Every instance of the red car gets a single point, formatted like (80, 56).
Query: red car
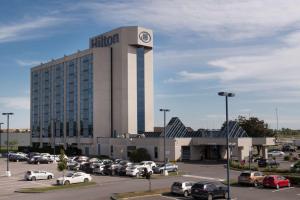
(276, 181)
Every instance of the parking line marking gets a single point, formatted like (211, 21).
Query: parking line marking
(288, 188)
(203, 177)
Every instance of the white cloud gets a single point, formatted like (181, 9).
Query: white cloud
(225, 20)
(27, 29)
(15, 102)
(276, 70)
(27, 63)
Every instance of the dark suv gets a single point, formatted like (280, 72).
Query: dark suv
(208, 190)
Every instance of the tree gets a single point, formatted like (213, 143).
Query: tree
(62, 163)
(139, 155)
(255, 127)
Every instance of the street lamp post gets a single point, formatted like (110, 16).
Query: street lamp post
(54, 135)
(226, 94)
(0, 133)
(7, 141)
(165, 110)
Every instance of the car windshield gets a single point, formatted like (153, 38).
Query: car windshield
(69, 175)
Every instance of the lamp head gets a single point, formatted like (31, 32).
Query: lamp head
(228, 94)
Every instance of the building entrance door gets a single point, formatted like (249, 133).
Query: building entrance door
(212, 152)
(185, 153)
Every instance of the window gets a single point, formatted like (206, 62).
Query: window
(111, 150)
(155, 152)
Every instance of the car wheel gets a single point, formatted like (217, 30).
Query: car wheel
(186, 193)
(277, 187)
(210, 197)
(49, 177)
(86, 180)
(67, 183)
(33, 178)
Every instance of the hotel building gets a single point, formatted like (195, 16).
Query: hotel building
(101, 92)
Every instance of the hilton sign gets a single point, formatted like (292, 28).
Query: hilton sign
(104, 41)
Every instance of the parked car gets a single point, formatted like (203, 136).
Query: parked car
(123, 167)
(33, 159)
(295, 167)
(43, 160)
(276, 181)
(152, 164)
(137, 170)
(74, 166)
(251, 178)
(169, 167)
(288, 148)
(182, 188)
(209, 190)
(38, 175)
(264, 163)
(17, 158)
(32, 154)
(74, 177)
(276, 153)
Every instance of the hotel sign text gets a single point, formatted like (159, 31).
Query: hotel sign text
(104, 41)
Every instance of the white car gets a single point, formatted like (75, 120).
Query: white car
(275, 153)
(74, 177)
(147, 163)
(38, 175)
(134, 170)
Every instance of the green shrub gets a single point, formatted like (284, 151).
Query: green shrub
(287, 158)
(295, 180)
(139, 155)
(237, 165)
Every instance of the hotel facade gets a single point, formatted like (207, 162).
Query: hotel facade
(101, 92)
(100, 100)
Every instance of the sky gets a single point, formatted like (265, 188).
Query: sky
(201, 47)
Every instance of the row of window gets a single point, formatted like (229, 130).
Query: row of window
(48, 102)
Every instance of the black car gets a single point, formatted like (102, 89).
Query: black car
(265, 163)
(288, 148)
(42, 160)
(208, 190)
(17, 158)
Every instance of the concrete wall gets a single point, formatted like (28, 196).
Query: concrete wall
(22, 139)
(239, 149)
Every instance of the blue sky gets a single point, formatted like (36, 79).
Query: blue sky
(201, 47)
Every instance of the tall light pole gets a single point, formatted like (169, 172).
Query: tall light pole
(54, 135)
(227, 94)
(165, 110)
(7, 141)
(0, 133)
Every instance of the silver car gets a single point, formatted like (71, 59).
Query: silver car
(182, 188)
(38, 175)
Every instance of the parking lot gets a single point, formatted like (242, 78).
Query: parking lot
(107, 185)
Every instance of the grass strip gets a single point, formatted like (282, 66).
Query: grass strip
(141, 193)
(54, 187)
